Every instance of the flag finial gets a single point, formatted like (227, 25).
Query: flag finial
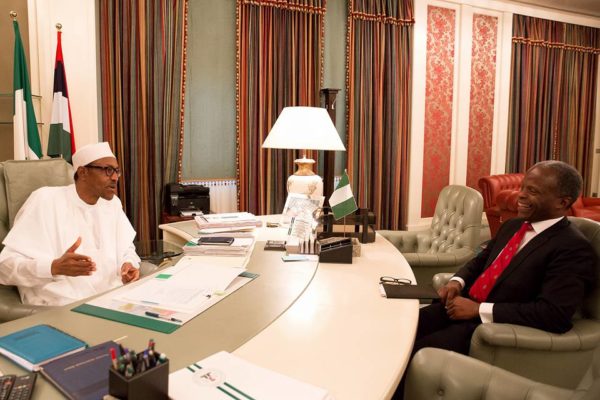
(58, 26)
(13, 15)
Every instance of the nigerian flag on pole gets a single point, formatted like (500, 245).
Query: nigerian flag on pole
(62, 138)
(26, 138)
(342, 200)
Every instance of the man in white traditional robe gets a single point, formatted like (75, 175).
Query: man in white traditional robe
(71, 242)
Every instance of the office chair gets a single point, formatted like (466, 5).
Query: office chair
(451, 239)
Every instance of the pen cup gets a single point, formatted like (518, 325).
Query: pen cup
(152, 384)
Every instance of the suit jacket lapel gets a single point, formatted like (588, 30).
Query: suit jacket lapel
(530, 249)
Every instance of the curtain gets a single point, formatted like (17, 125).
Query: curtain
(379, 45)
(142, 56)
(279, 64)
(553, 94)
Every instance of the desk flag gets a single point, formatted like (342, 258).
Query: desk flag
(342, 200)
(27, 143)
(61, 141)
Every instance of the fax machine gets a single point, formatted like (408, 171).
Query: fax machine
(187, 198)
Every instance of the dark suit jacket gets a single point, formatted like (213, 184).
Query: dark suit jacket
(545, 282)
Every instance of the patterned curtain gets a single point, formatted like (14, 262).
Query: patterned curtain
(553, 94)
(379, 45)
(142, 55)
(279, 64)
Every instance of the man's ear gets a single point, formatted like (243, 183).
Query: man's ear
(81, 172)
(565, 202)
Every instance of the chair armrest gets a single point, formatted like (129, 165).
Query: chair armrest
(405, 241)
(441, 279)
(452, 259)
(11, 306)
(440, 374)
(585, 335)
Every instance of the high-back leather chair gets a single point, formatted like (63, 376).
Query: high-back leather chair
(445, 375)
(451, 239)
(558, 359)
(17, 180)
(490, 187)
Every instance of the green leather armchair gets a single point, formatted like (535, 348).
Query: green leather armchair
(441, 374)
(17, 180)
(558, 359)
(451, 239)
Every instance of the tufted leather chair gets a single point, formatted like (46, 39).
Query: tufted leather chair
(445, 375)
(558, 359)
(17, 180)
(491, 186)
(451, 239)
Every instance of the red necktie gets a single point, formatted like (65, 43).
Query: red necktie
(485, 282)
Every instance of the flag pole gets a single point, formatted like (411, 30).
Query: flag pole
(13, 15)
(58, 26)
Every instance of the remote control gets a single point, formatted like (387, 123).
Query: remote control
(23, 387)
(6, 383)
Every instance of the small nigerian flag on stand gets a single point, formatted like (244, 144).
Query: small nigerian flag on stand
(27, 143)
(61, 141)
(342, 200)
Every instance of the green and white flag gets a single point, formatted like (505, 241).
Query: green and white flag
(342, 200)
(26, 138)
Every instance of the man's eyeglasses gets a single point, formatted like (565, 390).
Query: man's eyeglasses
(394, 281)
(108, 170)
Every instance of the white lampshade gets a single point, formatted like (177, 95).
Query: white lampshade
(304, 128)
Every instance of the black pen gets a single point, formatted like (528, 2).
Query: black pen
(157, 315)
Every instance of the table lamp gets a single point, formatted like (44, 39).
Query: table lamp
(304, 128)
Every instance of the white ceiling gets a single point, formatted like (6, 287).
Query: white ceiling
(588, 7)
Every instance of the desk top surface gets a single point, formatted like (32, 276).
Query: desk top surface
(339, 334)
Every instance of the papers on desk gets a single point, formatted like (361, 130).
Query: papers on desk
(224, 376)
(240, 247)
(173, 296)
(183, 288)
(226, 222)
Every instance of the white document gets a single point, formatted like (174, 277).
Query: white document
(224, 376)
(183, 287)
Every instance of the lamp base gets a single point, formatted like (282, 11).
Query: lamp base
(305, 181)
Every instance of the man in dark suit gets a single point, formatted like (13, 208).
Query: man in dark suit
(535, 272)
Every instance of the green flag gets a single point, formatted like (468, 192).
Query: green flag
(342, 200)
(26, 138)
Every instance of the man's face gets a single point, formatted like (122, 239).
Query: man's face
(98, 182)
(539, 198)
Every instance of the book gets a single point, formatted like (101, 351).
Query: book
(226, 376)
(82, 375)
(395, 291)
(32, 347)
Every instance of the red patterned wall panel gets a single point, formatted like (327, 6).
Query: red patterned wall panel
(481, 113)
(441, 23)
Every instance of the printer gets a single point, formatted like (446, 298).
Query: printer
(187, 199)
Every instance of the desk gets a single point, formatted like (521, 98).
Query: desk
(339, 334)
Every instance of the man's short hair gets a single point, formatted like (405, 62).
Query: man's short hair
(568, 179)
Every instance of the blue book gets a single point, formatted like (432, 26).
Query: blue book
(39, 344)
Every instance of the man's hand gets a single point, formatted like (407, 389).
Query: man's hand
(73, 264)
(449, 291)
(129, 273)
(462, 308)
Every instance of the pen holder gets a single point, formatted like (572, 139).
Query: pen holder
(152, 384)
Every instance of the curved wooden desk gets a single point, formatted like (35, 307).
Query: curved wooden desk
(340, 334)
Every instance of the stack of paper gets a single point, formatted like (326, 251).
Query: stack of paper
(241, 246)
(224, 376)
(226, 222)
